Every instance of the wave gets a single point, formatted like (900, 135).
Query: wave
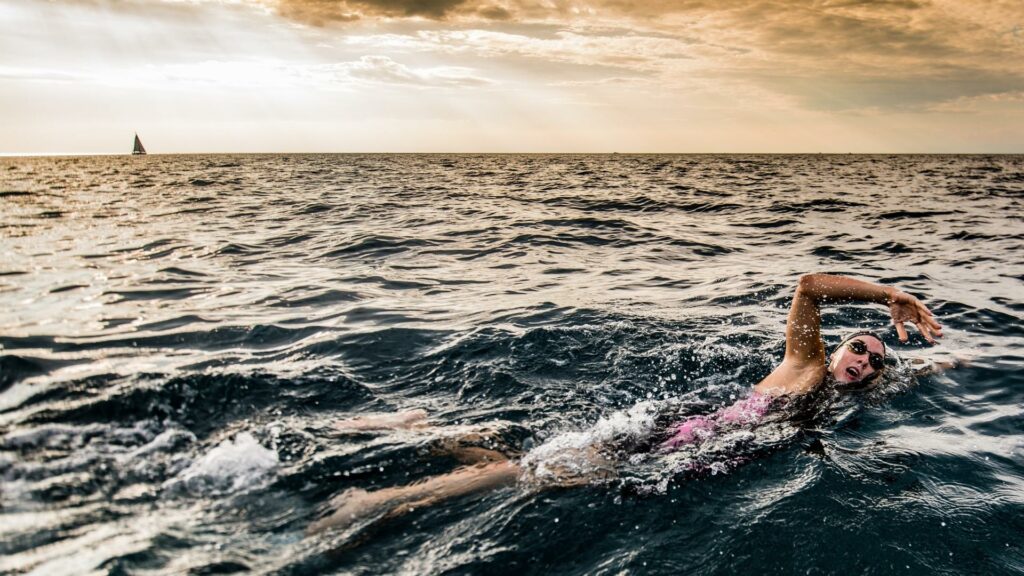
(177, 354)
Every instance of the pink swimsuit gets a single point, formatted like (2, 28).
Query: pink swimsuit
(696, 428)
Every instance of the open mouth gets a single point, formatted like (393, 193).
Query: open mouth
(853, 372)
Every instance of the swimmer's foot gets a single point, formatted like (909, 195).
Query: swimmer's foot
(406, 420)
(475, 446)
(467, 454)
(349, 508)
(358, 507)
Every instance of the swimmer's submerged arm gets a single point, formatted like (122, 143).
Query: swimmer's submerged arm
(933, 366)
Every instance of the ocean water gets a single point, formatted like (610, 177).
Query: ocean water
(179, 336)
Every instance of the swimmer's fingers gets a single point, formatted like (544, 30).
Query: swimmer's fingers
(929, 330)
(926, 323)
(901, 330)
(929, 319)
(925, 331)
(902, 308)
(905, 307)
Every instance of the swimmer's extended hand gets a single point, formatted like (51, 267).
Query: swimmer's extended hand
(907, 308)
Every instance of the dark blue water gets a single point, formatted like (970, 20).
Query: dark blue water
(179, 335)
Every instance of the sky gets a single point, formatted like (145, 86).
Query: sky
(687, 76)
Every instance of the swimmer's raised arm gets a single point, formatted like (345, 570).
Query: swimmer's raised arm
(838, 289)
(804, 365)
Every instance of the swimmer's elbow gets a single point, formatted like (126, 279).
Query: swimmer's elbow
(811, 280)
(809, 285)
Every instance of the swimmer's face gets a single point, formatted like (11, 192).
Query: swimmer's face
(852, 362)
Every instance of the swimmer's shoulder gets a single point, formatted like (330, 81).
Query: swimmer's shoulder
(789, 379)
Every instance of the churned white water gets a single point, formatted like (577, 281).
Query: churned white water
(235, 464)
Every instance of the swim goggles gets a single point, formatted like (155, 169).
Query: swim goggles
(859, 348)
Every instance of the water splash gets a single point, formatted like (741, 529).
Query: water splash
(236, 464)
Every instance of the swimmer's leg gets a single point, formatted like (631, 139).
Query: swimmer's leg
(482, 445)
(354, 505)
(468, 454)
(405, 420)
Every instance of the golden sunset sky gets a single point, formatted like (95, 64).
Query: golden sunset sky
(82, 76)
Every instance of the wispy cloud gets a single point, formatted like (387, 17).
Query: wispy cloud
(367, 70)
(635, 52)
(32, 74)
(383, 69)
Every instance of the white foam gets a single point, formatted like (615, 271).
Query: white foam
(53, 435)
(576, 454)
(233, 465)
(166, 441)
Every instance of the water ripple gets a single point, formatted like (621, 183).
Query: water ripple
(180, 333)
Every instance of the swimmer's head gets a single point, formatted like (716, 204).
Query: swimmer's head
(858, 360)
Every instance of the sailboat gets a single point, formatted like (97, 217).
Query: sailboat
(138, 149)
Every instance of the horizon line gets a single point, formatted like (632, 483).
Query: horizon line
(450, 153)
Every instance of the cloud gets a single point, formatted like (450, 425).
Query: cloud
(40, 74)
(916, 91)
(382, 69)
(1008, 101)
(494, 12)
(635, 53)
(322, 12)
(840, 57)
(367, 70)
(813, 28)
(835, 55)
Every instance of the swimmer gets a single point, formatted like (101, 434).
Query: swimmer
(855, 365)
